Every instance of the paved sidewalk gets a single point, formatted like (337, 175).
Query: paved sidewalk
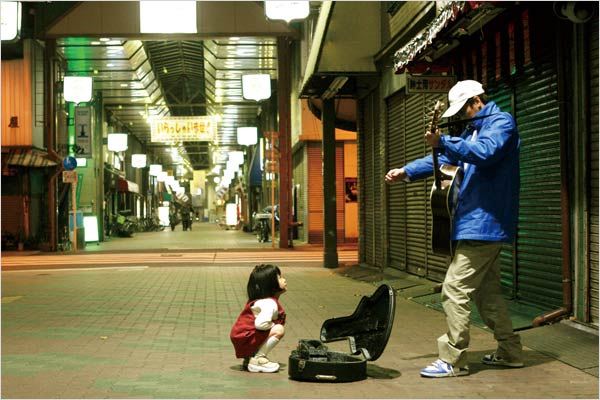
(162, 332)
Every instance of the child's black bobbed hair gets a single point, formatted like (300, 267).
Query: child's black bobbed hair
(263, 282)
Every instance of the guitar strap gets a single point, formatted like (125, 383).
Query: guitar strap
(463, 121)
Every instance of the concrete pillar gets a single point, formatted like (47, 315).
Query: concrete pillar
(330, 257)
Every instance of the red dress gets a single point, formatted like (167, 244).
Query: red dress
(245, 337)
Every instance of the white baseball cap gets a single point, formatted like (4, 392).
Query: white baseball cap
(460, 93)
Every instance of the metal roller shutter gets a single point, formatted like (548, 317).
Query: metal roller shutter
(315, 193)
(503, 96)
(539, 237)
(416, 192)
(396, 193)
(409, 213)
(340, 192)
(593, 175)
(300, 182)
(370, 212)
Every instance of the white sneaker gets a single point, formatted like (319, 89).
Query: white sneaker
(262, 364)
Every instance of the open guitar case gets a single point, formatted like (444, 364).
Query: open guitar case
(367, 331)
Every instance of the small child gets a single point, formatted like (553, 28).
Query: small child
(259, 326)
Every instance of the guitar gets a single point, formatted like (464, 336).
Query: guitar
(443, 196)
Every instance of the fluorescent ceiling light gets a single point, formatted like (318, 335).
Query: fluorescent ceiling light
(256, 86)
(287, 10)
(335, 86)
(168, 17)
(10, 18)
(77, 89)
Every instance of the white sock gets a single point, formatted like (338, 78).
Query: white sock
(267, 346)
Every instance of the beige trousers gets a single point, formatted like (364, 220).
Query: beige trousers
(475, 274)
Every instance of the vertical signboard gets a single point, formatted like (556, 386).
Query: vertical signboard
(83, 131)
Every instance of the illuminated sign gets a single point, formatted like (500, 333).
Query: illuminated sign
(183, 129)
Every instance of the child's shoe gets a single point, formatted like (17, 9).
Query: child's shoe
(262, 364)
(245, 363)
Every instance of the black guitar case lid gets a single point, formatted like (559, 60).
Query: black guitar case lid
(369, 326)
(367, 331)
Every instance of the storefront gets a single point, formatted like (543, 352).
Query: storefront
(522, 60)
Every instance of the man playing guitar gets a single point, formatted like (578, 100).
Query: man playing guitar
(485, 217)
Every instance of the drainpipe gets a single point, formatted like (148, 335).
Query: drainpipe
(562, 75)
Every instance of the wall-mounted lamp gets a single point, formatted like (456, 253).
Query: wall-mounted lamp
(138, 160)
(247, 135)
(162, 176)
(287, 10)
(168, 17)
(155, 169)
(11, 20)
(256, 86)
(77, 89)
(117, 142)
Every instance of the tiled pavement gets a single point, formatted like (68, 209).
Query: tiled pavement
(161, 331)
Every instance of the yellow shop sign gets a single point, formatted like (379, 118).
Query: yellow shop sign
(184, 129)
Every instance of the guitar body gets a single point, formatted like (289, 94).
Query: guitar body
(443, 197)
(443, 202)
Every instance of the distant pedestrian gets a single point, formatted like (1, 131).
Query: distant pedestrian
(185, 218)
(259, 326)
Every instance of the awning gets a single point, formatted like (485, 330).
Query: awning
(127, 186)
(406, 54)
(26, 157)
(341, 51)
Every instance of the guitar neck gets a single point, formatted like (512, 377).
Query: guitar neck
(432, 128)
(436, 169)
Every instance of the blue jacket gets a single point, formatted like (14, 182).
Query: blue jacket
(488, 200)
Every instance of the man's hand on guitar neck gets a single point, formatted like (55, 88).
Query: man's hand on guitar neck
(395, 175)
(433, 139)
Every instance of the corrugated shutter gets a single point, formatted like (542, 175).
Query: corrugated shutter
(367, 210)
(300, 182)
(593, 172)
(396, 207)
(371, 176)
(503, 96)
(340, 194)
(416, 206)
(16, 102)
(315, 193)
(539, 236)
(12, 214)
(409, 212)
(419, 258)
